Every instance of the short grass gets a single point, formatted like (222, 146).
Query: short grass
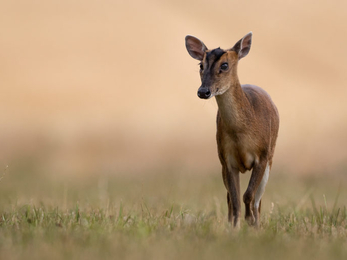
(171, 215)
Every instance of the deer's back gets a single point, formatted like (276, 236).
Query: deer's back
(265, 111)
(266, 115)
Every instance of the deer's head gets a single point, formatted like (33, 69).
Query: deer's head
(218, 67)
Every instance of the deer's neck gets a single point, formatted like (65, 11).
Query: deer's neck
(234, 107)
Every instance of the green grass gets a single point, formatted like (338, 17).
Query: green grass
(168, 216)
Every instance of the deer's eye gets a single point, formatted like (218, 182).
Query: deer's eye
(201, 66)
(224, 66)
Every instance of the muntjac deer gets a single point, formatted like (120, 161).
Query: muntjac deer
(247, 124)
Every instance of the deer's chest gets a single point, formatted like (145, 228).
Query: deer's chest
(236, 151)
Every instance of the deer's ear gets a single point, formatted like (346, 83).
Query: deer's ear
(195, 47)
(243, 46)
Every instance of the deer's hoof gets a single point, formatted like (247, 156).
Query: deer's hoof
(250, 220)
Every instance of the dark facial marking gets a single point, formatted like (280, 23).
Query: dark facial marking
(213, 56)
(211, 59)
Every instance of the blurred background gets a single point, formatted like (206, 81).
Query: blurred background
(107, 88)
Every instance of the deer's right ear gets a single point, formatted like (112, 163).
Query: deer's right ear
(195, 47)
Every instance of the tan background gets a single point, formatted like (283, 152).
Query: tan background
(108, 87)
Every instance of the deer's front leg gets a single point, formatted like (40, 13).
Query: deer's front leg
(232, 183)
(254, 192)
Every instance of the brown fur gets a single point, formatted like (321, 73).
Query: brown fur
(247, 126)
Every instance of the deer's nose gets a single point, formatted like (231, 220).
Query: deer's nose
(204, 93)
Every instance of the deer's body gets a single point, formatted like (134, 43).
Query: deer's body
(247, 124)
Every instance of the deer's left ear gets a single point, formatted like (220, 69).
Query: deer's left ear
(243, 46)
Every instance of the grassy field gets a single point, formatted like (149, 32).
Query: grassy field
(169, 215)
